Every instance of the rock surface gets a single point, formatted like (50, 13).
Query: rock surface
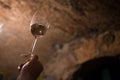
(79, 31)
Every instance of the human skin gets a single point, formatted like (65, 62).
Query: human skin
(31, 69)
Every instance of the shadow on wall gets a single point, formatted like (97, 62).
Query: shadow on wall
(105, 68)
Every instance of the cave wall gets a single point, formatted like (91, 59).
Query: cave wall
(79, 31)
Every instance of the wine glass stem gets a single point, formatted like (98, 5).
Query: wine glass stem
(33, 47)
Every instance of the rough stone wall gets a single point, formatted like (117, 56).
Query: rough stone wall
(68, 59)
(80, 30)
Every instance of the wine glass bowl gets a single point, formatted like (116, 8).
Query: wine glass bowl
(39, 24)
(38, 30)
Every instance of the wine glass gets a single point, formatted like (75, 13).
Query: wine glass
(38, 27)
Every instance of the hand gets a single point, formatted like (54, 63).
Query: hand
(31, 69)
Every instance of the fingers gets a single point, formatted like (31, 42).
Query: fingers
(33, 67)
(22, 64)
(35, 62)
(20, 67)
(32, 60)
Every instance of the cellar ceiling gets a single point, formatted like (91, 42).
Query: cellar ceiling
(79, 30)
